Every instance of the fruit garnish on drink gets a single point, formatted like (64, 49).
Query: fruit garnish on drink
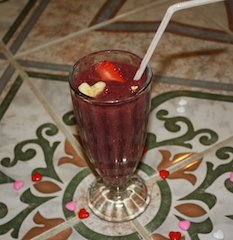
(109, 81)
(92, 91)
(108, 71)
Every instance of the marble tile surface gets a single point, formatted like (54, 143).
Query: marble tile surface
(190, 130)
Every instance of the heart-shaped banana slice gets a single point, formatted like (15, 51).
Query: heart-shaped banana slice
(92, 91)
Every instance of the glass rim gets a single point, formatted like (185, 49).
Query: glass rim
(106, 102)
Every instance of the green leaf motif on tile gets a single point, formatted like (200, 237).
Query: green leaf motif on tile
(200, 228)
(5, 179)
(15, 223)
(229, 185)
(21, 154)
(47, 129)
(200, 192)
(146, 168)
(230, 216)
(70, 190)
(164, 208)
(3, 210)
(69, 118)
(212, 174)
(173, 124)
(24, 150)
(224, 153)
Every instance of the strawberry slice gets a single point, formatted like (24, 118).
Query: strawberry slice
(109, 72)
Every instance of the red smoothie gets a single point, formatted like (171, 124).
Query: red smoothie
(112, 124)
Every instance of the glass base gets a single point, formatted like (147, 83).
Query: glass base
(118, 204)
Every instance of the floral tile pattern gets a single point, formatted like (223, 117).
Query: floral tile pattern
(188, 158)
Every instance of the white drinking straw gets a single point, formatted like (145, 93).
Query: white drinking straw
(170, 11)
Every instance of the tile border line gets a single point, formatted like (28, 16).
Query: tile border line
(13, 28)
(7, 74)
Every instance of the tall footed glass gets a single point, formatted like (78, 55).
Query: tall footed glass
(112, 126)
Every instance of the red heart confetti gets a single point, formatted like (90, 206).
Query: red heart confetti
(175, 235)
(145, 150)
(164, 174)
(36, 177)
(18, 184)
(83, 213)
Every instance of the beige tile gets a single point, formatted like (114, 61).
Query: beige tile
(59, 19)
(9, 11)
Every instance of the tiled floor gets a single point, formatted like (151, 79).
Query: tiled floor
(190, 131)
